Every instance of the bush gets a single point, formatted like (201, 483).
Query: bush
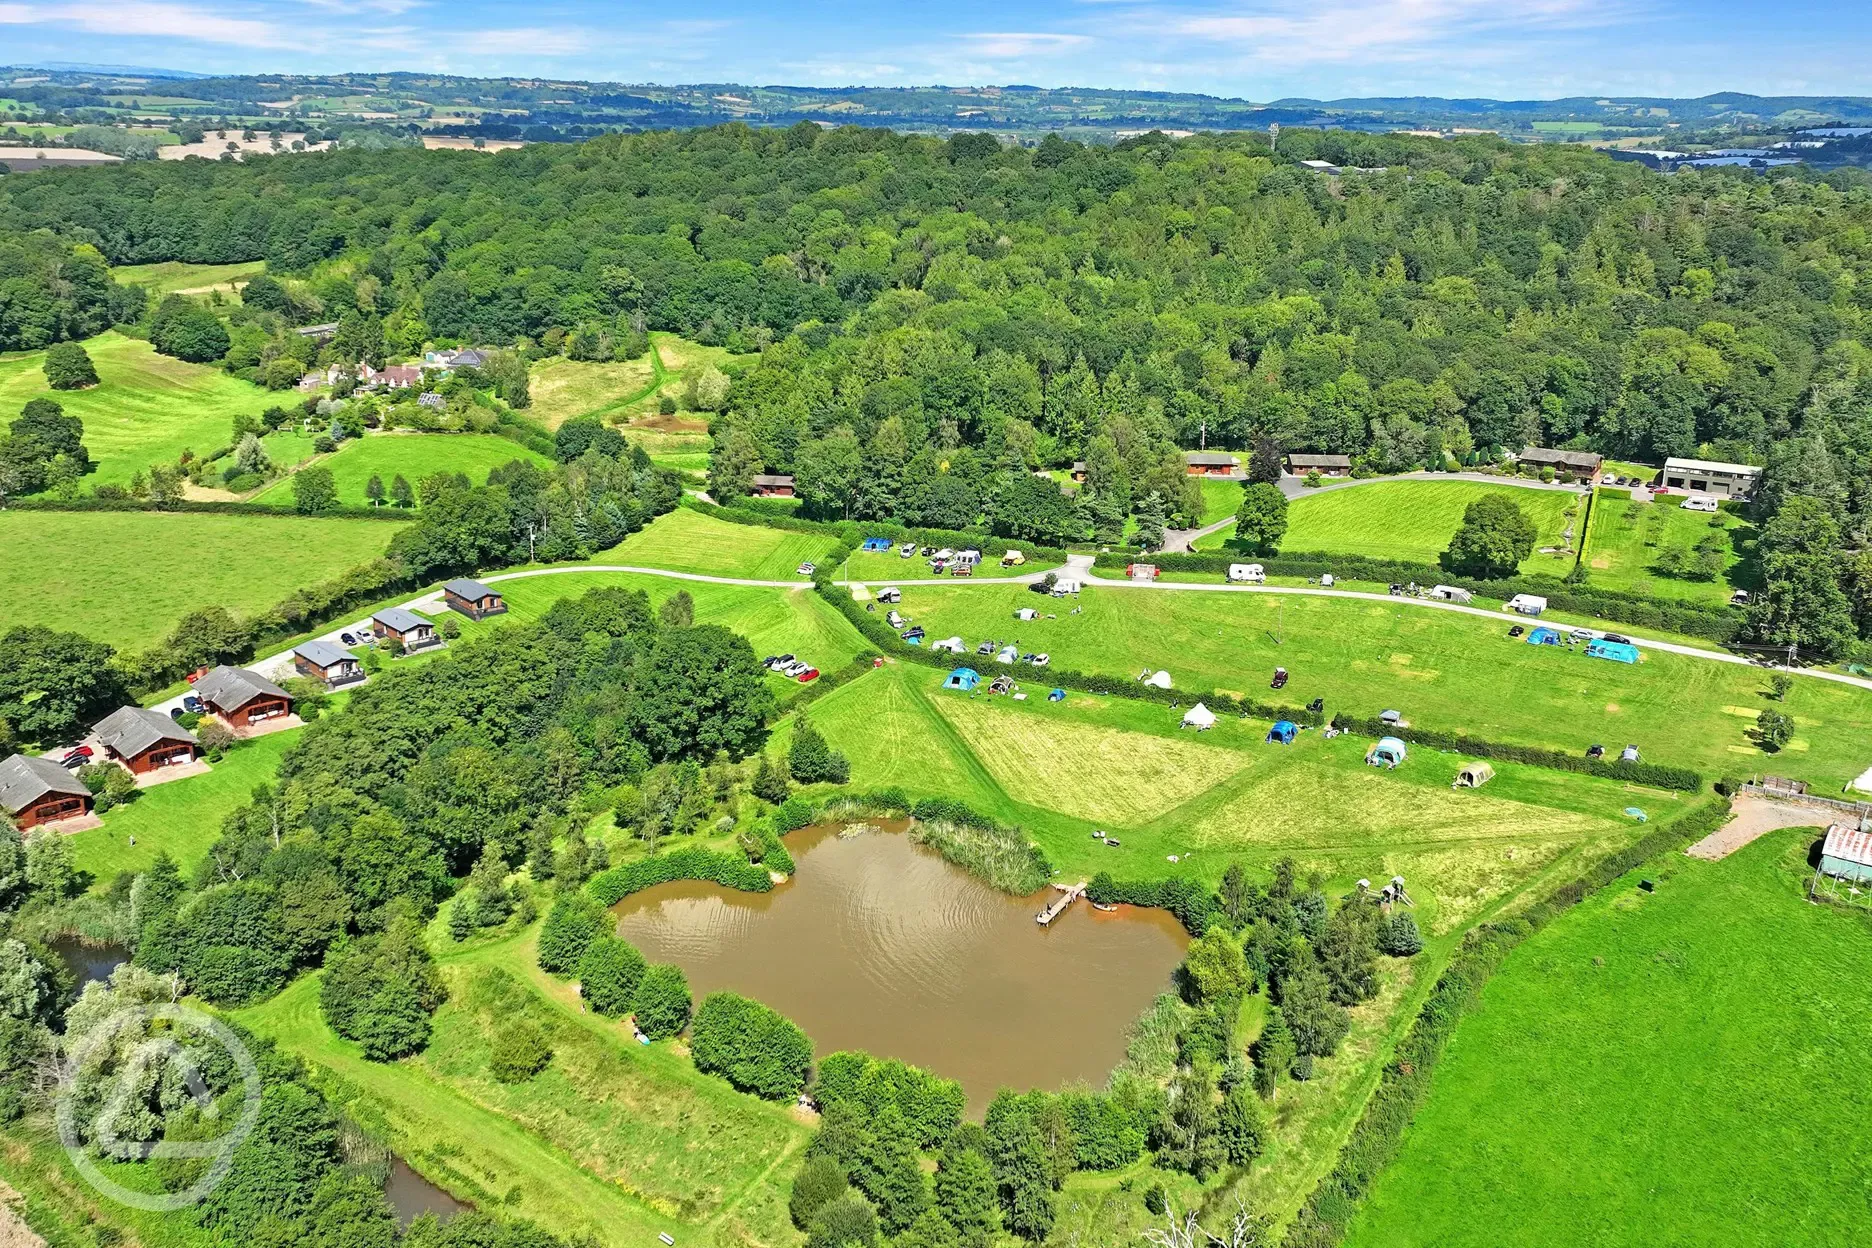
(1399, 937)
(574, 921)
(216, 739)
(689, 863)
(661, 1002)
(520, 1052)
(820, 1182)
(68, 367)
(756, 1049)
(811, 761)
(846, 1222)
(794, 813)
(609, 973)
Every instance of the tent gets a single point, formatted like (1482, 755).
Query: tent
(1026, 613)
(1389, 752)
(1199, 717)
(1007, 654)
(1283, 732)
(1013, 558)
(1058, 695)
(1617, 651)
(1158, 680)
(1527, 604)
(1473, 776)
(964, 679)
(951, 644)
(890, 593)
(1451, 593)
(877, 543)
(1544, 636)
(1250, 573)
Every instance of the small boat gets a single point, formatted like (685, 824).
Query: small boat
(1099, 905)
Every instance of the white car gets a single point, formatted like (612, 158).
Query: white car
(1042, 659)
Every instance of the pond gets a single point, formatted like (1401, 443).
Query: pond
(89, 962)
(411, 1195)
(878, 944)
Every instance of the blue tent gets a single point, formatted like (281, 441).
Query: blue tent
(877, 543)
(1543, 636)
(963, 678)
(1283, 732)
(1058, 695)
(1618, 651)
(1389, 752)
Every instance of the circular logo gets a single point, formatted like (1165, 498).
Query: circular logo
(106, 1083)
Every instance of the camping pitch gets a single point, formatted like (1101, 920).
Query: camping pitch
(1199, 717)
(1283, 732)
(1389, 752)
(964, 679)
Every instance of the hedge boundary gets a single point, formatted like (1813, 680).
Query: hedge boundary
(212, 508)
(1719, 624)
(853, 532)
(1404, 1084)
(689, 863)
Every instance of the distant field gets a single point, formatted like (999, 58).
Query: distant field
(147, 408)
(172, 277)
(410, 455)
(1411, 521)
(1441, 669)
(562, 388)
(127, 577)
(1627, 537)
(688, 541)
(1654, 1068)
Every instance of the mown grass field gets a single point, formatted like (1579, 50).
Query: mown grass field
(611, 1140)
(146, 408)
(127, 577)
(1441, 669)
(1221, 499)
(181, 818)
(1627, 537)
(175, 277)
(1677, 1067)
(688, 541)
(409, 455)
(1412, 520)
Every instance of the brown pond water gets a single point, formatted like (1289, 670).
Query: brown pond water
(411, 1195)
(880, 945)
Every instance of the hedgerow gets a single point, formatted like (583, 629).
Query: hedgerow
(1654, 775)
(689, 863)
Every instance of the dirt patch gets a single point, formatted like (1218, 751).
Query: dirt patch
(1611, 708)
(1753, 818)
(676, 423)
(14, 1233)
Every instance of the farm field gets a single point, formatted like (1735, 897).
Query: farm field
(146, 408)
(181, 818)
(689, 541)
(409, 455)
(1411, 520)
(1649, 1062)
(1626, 538)
(176, 277)
(126, 577)
(562, 389)
(1441, 669)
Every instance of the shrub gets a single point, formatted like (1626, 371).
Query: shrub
(520, 1052)
(216, 738)
(609, 973)
(820, 1182)
(661, 1002)
(811, 761)
(756, 1049)
(794, 813)
(1399, 937)
(68, 367)
(689, 863)
(574, 921)
(846, 1222)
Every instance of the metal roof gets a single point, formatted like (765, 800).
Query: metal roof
(323, 653)
(1710, 465)
(130, 730)
(231, 688)
(1849, 844)
(462, 587)
(1209, 457)
(24, 780)
(400, 619)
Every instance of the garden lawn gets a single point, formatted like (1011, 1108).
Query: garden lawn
(686, 540)
(1626, 538)
(1678, 1067)
(126, 577)
(181, 818)
(174, 277)
(1221, 499)
(1441, 669)
(146, 408)
(412, 456)
(1411, 521)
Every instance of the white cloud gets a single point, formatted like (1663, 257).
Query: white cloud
(1013, 45)
(144, 19)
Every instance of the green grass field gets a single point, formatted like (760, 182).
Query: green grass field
(410, 455)
(1221, 499)
(1440, 669)
(1412, 520)
(1627, 537)
(1675, 1067)
(181, 818)
(688, 541)
(174, 277)
(127, 577)
(147, 408)
(562, 388)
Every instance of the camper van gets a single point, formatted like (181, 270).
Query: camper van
(1247, 573)
(1700, 502)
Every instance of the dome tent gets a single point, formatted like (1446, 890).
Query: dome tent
(1389, 752)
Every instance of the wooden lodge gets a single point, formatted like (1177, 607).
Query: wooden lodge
(404, 625)
(473, 599)
(145, 741)
(241, 698)
(37, 791)
(321, 660)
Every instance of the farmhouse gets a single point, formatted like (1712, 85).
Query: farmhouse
(404, 626)
(399, 377)
(242, 699)
(773, 485)
(1325, 465)
(1702, 476)
(1210, 464)
(321, 660)
(473, 599)
(1575, 465)
(145, 741)
(37, 791)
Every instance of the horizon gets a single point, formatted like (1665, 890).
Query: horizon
(1530, 50)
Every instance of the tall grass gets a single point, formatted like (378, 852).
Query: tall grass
(1001, 856)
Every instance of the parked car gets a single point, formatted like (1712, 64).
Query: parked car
(908, 551)
(1042, 659)
(913, 633)
(807, 676)
(1516, 631)
(77, 756)
(1595, 751)
(1620, 638)
(176, 713)
(776, 662)
(806, 569)
(347, 638)
(963, 569)
(191, 704)
(1280, 678)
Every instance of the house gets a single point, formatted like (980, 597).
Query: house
(1702, 476)
(963, 679)
(1473, 776)
(1527, 604)
(1247, 573)
(405, 626)
(1199, 717)
(773, 485)
(1847, 853)
(144, 740)
(1325, 465)
(319, 332)
(1210, 464)
(37, 791)
(321, 660)
(473, 599)
(1451, 593)
(1574, 465)
(1078, 472)
(399, 377)
(242, 698)
(469, 358)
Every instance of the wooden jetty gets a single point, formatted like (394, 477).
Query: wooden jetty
(1069, 893)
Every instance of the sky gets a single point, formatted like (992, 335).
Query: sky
(1254, 49)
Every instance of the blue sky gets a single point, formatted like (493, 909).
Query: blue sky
(1258, 49)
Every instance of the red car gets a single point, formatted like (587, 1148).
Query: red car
(810, 674)
(76, 757)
